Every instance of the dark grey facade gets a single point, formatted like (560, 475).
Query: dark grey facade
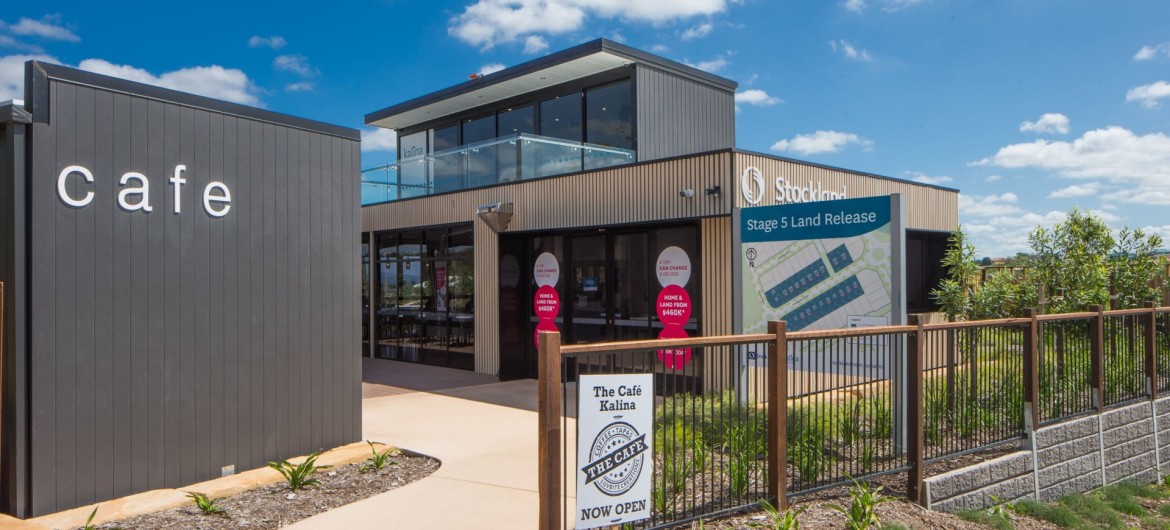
(678, 116)
(149, 349)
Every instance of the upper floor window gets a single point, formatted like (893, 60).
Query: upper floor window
(561, 117)
(609, 116)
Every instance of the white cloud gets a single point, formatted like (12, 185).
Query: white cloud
(993, 178)
(1113, 154)
(821, 142)
(757, 97)
(490, 68)
(487, 23)
(1149, 94)
(297, 64)
(850, 51)
(9, 42)
(212, 81)
(275, 42)
(927, 179)
(697, 32)
(378, 139)
(1076, 190)
(535, 44)
(1053, 122)
(660, 48)
(1151, 52)
(713, 65)
(303, 86)
(12, 74)
(889, 6)
(988, 205)
(48, 28)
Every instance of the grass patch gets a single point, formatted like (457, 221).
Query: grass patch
(985, 518)
(1056, 514)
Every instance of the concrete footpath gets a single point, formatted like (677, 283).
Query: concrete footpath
(485, 436)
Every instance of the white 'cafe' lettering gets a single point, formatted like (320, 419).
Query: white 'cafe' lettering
(135, 193)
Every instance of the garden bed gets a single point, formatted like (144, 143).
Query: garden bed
(275, 506)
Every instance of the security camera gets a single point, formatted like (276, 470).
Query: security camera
(686, 193)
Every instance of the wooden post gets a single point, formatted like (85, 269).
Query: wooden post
(1097, 357)
(549, 430)
(951, 369)
(1031, 376)
(914, 416)
(1151, 350)
(778, 414)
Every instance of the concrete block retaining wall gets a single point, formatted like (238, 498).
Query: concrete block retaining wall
(1070, 457)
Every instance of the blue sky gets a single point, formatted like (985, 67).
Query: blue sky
(1030, 107)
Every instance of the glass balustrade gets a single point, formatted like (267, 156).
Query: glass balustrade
(497, 161)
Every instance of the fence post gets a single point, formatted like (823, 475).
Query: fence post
(1031, 377)
(549, 430)
(1151, 350)
(951, 361)
(915, 445)
(1097, 357)
(778, 413)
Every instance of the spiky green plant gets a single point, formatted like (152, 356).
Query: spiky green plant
(781, 520)
(377, 460)
(299, 476)
(863, 503)
(205, 504)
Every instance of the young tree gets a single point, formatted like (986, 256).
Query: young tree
(1131, 267)
(1071, 262)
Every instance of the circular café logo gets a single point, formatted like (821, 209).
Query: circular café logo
(674, 267)
(752, 184)
(547, 271)
(615, 458)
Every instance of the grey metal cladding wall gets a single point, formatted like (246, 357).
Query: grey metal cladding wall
(677, 116)
(165, 346)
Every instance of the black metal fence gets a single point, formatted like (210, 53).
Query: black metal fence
(859, 403)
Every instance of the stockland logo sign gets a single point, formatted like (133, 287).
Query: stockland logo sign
(614, 449)
(752, 184)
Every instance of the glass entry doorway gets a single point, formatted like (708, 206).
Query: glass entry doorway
(606, 285)
(608, 288)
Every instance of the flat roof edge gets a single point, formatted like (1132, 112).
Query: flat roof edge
(13, 111)
(846, 170)
(547, 61)
(116, 84)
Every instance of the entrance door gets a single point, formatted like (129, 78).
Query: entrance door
(608, 288)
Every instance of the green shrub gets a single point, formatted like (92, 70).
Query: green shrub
(1055, 514)
(377, 460)
(205, 504)
(786, 520)
(985, 518)
(301, 475)
(745, 445)
(863, 503)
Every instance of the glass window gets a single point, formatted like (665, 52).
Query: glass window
(481, 161)
(561, 117)
(608, 115)
(519, 120)
(446, 169)
(479, 129)
(412, 146)
(444, 138)
(460, 243)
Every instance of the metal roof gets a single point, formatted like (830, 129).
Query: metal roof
(574, 63)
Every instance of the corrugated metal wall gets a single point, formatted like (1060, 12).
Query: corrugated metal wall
(677, 116)
(927, 207)
(164, 346)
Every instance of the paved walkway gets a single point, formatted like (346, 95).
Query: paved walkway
(483, 432)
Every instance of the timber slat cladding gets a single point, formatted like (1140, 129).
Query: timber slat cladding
(166, 345)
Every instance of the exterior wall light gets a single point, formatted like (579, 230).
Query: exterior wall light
(496, 215)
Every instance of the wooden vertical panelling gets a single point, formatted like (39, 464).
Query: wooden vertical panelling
(715, 236)
(166, 345)
(487, 294)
